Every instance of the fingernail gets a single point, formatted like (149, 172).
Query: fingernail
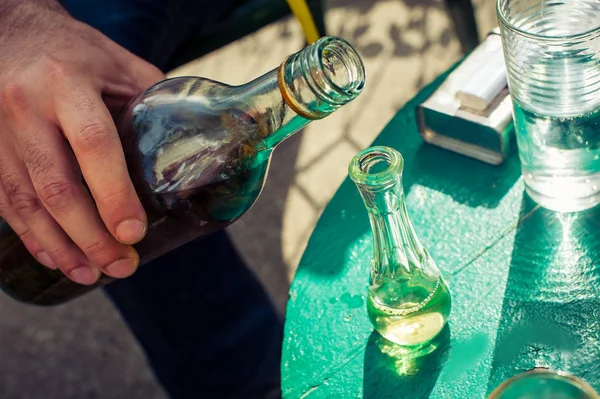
(131, 231)
(45, 260)
(85, 275)
(122, 268)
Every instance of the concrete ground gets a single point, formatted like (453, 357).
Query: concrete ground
(83, 349)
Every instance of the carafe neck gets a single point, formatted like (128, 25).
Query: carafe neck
(397, 250)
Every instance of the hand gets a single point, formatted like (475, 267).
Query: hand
(59, 81)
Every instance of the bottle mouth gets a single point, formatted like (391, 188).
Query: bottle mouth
(375, 166)
(321, 78)
(343, 73)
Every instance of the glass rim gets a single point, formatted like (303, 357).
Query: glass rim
(509, 25)
(351, 60)
(581, 384)
(393, 158)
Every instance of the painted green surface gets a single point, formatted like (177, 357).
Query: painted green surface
(525, 284)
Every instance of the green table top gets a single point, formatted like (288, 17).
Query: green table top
(525, 284)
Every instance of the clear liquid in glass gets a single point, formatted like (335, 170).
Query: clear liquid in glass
(552, 55)
(560, 158)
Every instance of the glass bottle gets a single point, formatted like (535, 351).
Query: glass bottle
(408, 299)
(198, 152)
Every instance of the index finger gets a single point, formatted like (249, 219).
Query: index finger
(91, 132)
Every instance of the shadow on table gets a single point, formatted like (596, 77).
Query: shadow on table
(391, 371)
(467, 181)
(551, 309)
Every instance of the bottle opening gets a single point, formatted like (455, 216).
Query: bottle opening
(322, 77)
(376, 165)
(342, 67)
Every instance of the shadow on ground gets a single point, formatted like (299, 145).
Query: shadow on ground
(551, 308)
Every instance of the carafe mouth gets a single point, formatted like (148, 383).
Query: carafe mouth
(376, 166)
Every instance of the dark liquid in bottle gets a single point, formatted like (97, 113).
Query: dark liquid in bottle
(192, 214)
(196, 170)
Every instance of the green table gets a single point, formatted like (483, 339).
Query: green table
(525, 284)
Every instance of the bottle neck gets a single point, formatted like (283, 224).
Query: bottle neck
(308, 85)
(397, 250)
(321, 78)
(276, 120)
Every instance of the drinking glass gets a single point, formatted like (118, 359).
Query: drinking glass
(552, 55)
(544, 384)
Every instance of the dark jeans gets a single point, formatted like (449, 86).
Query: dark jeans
(208, 327)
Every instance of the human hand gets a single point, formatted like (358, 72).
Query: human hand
(59, 82)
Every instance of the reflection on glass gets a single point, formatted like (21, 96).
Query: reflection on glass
(544, 384)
